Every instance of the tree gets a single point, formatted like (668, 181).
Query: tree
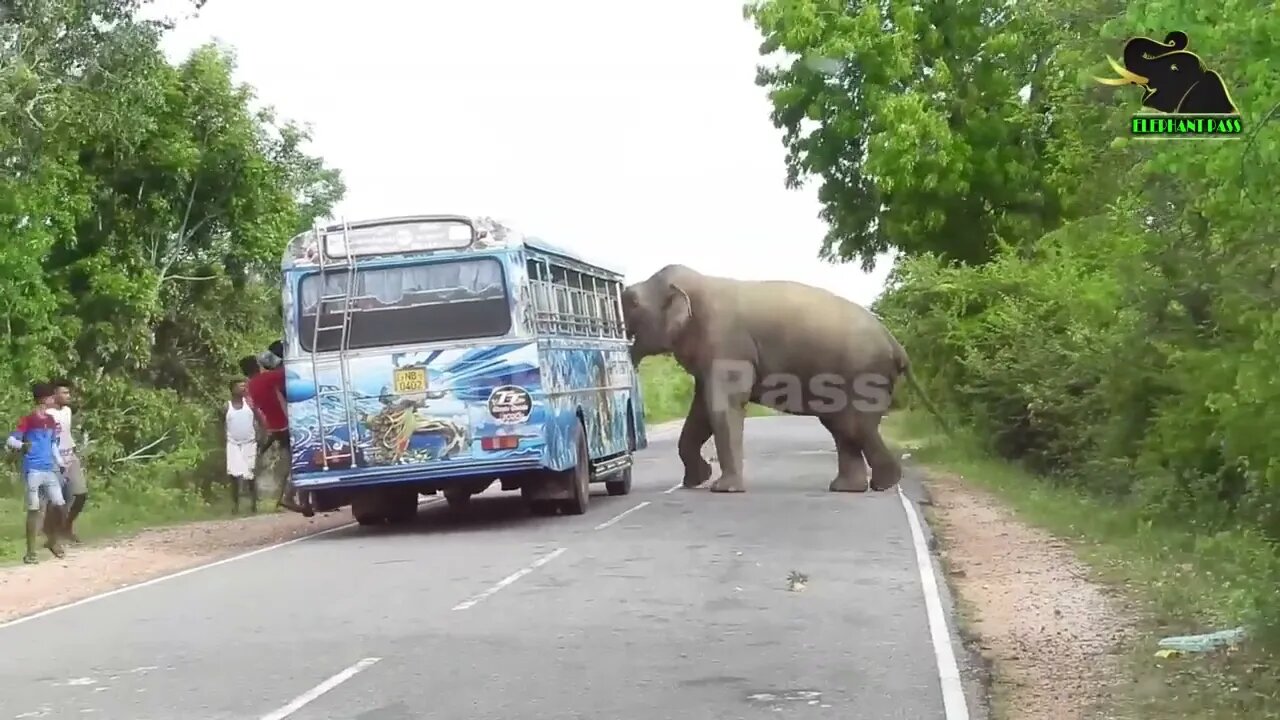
(926, 123)
(144, 209)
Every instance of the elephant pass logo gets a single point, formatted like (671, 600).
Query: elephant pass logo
(1191, 101)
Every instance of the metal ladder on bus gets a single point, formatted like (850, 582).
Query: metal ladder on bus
(344, 327)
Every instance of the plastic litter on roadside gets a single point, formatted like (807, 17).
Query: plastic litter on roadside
(1173, 646)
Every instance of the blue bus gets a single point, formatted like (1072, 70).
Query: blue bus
(440, 353)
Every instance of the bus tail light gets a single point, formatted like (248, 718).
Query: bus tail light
(500, 442)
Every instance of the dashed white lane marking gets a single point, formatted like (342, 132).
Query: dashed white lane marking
(465, 604)
(309, 696)
(188, 571)
(953, 702)
(620, 515)
(672, 489)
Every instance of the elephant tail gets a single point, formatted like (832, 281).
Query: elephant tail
(904, 368)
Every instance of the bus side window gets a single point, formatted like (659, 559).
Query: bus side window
(543, 302)
(570, 302)
(592, 305)
(562, 300)
(599, 315)
(609, 309)
(581, 320)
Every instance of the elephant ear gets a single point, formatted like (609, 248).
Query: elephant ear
(677, 312)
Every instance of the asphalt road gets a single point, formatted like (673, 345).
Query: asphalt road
(679, 609)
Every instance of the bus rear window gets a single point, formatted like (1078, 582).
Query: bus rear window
(406, 305)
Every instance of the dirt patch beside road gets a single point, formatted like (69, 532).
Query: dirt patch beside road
(93, 569)
(1050, 636)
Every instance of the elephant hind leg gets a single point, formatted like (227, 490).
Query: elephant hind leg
(851, 475)
(886, 470)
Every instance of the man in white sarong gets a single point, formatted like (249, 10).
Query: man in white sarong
(242, 447)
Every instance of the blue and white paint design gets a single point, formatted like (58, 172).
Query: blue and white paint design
(442, 432)
(449, 421)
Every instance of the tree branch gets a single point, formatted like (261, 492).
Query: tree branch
(139, 453)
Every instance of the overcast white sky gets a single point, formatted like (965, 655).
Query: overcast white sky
(632, 133)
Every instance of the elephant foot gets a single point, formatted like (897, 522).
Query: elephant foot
(842, 483)
(727, 484)
(879, 483)
(695, 477)
(881, 487)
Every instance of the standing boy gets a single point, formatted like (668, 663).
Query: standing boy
(36, 437)
(76, 490)
(242, 447)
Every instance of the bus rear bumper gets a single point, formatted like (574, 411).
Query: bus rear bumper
(428, 476)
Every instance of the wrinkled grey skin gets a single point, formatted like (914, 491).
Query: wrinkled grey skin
(775, 327)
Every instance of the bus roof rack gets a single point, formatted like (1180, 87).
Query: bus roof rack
(409, 235)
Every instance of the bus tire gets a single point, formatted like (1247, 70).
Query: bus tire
(457, 499)
(543, 508)
(368, 508)
(579, 477)
(401, 505)
(621, 485)
(367, 518)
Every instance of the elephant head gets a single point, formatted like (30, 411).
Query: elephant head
(658, 310)
(1176, 81)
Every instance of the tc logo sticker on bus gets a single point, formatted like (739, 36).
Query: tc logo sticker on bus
(510, 404)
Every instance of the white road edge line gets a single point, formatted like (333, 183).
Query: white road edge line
(465, 604)
(309, 696)
(953, 701)
(620, 515)
(187, 571)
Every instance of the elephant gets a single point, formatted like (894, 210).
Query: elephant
(796, 348)
(1176, 81)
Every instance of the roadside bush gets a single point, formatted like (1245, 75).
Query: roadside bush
(144, 208)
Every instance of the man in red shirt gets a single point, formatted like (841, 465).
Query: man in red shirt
(265, 391)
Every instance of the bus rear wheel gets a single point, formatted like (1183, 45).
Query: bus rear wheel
(368, 518)
(580, 478)
(621, 484)
(394, 506)
(457, 499)
(543, 508)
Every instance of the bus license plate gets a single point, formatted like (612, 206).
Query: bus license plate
(410, 380)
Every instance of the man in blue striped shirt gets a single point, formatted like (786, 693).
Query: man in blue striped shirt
(36, 437)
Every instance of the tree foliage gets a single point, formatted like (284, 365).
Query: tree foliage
(144, 208)
(1103, 309)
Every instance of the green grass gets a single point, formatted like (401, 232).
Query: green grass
(1181, 582)
(668, 389)
(108, 516)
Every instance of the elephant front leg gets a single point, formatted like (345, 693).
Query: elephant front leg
(726, 426)
(695, 433)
